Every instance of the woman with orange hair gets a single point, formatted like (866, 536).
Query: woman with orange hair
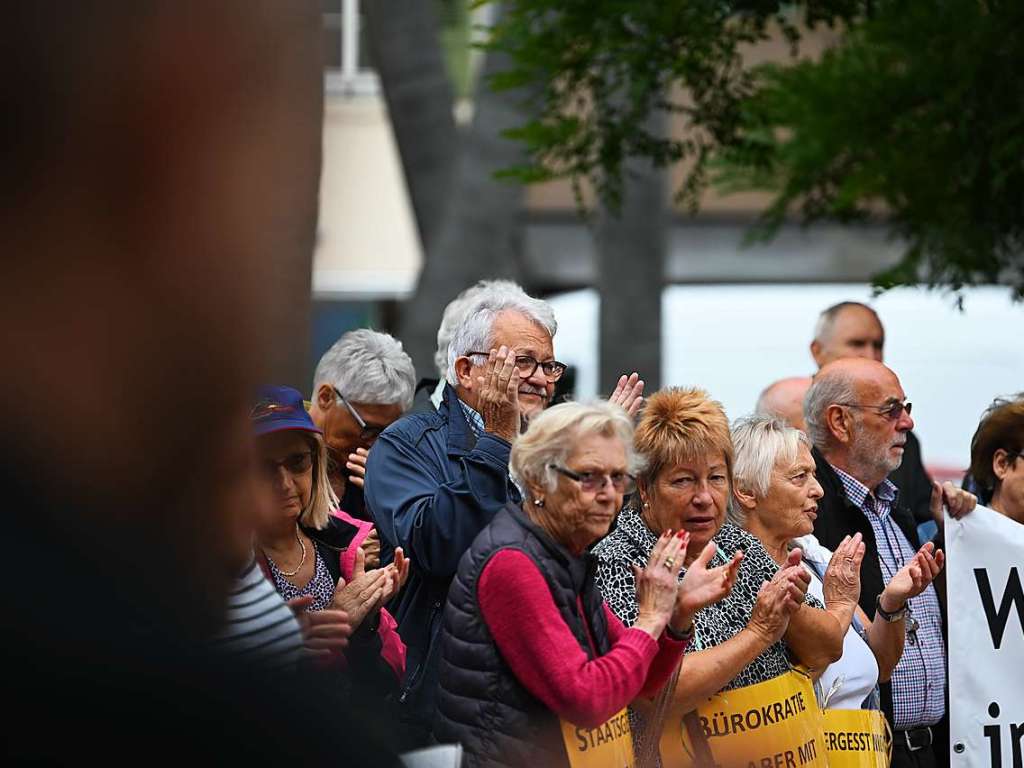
(767, 620)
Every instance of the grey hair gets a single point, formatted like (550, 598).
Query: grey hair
(476, 331)
(827, 389)
(553, 434)
(455, 314)
(827, 319)
(368, 367)
(761, 442)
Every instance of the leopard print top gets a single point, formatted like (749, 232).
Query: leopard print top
(632, 541)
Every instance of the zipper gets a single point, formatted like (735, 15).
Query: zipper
(417, 673)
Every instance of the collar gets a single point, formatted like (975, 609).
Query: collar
(473, 418)
(858, 493)
(461, 437)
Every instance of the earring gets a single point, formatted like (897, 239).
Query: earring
(646, 505)
(538, 502)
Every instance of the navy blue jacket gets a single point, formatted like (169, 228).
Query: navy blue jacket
(431, 487)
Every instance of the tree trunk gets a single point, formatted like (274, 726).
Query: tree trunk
(405, 48)
(481, 232)
(630, 251)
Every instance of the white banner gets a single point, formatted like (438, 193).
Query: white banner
(984, 571)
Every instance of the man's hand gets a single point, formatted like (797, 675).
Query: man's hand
(958, 501)
(356, 467)
(498, 394)
(629, 394)
(913, 578)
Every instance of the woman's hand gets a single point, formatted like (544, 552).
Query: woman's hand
(777, 601)
(842, 577)
(658, 583)
(401, 566)
(958, 501)
(371, 549)
(324, 632)
(701, 586)
(913, 578)
(365, 591)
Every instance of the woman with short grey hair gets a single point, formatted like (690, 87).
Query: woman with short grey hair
(775, 498)
(531, 655)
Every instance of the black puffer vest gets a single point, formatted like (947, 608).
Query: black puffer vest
(480, 703)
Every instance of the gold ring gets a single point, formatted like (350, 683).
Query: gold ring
(669, 562)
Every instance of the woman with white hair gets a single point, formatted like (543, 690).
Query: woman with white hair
(533, 662)
(776, 499)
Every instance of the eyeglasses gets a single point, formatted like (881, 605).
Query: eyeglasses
(591, 482)
(295, 464)
(891, 411)
(367, 432)
(528, 365)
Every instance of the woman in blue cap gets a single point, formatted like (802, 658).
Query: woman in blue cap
(310, 550)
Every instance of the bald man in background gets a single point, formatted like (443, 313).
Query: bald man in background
(785, 399)
(851, 329)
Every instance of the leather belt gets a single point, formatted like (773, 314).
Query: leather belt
(914, 739)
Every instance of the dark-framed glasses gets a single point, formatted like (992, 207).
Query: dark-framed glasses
(294, 463)
(591, 482)
(527, 366)
(891, 411)
(368, 433)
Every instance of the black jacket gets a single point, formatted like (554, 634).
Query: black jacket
(838, 517)
(480, 702)
(913, 481)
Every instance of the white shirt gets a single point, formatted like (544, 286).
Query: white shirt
(847, 682)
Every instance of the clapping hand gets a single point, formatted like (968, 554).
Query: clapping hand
(658, 584)
(365, 592)
(629, 393)
(778, 600)
(911, 580)
(324, 632)
(702, 586)
(842, 577)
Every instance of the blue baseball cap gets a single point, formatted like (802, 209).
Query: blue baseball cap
(278, 409)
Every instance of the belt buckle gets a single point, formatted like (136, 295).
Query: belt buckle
(910, 745)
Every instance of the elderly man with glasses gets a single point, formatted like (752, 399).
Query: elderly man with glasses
(858, 419)
(363, 383)
(435, 479)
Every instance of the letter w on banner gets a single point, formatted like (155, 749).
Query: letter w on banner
(985, 570)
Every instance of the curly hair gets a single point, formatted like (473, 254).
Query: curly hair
(681, 424)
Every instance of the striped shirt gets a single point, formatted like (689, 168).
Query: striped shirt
(476, 421)
(919, 680)
(259, 627)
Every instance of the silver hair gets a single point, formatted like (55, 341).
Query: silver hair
(476, 332)
(827, 389)
(761, 442)
(553, 434)
(368, 367)
(827, 319)
(455, 313)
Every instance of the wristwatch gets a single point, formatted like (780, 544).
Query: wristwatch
(890, 617)
(680, 637)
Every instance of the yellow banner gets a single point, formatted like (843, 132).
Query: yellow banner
(774, 724)
(609, 745)
(857, 738)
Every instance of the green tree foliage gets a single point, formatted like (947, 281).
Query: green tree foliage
(916, 115)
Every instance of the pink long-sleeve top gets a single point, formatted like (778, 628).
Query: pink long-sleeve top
(545, 657)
